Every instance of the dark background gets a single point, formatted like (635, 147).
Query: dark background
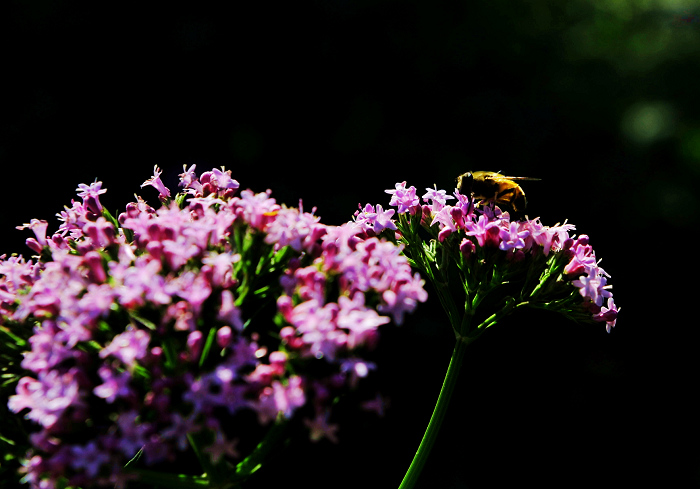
(334, 101)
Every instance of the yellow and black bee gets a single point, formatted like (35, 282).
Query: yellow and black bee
(488, 186)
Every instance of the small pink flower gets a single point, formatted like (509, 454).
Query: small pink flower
(404, 198)
(320, 428)
(513, 237)
(91, 196)
(222, 447)
(128, 346)
(608, 314)
(157, 183)
(39, 228)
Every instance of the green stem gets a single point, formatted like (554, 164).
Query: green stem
(433, 428)
(253, 461)
(510, 306)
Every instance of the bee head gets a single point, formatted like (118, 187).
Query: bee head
(464, 183)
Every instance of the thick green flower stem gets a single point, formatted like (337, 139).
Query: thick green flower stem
(433, 428)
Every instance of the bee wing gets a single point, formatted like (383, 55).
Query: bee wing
(522, 178)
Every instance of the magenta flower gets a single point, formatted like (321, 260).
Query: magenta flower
(292, 228)
(223, 180)
(320, 428)
(359, 321)
(47, 397)
(157, 183)
(89, 458)
(486, 232)
(178, 429)
(512, 237)
(548, 237)
(256, 209)
(383, 220)
(189, 180)
(128, 346)
(39, 227)
(133, 433)
(378, 405)
(45, 351)
(608, 314)
(593, 286)
(228, 312)
(438, 199)
(583, 259)
(279, 399)
(317, 325)
(73, 220)
(376, 221)
(404, 198)
(222, 447)
(357, 368)
(217, 182)
(403, 299)
(115, 384)
(91, 196)
(447, 223)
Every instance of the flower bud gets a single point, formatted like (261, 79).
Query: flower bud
(224, 336)
(467, 247)
(194, 343)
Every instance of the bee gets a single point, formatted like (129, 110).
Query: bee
(488, 186)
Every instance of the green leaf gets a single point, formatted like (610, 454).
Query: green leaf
(106, 214)
(146, 322)
(207, 346)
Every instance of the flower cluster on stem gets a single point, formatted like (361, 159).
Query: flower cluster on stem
(477, 260)
(146, 336)
(530, 264)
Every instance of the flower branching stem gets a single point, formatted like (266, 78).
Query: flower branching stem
(437, 417)
(448, 386)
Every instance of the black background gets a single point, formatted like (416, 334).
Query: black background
(334, 101)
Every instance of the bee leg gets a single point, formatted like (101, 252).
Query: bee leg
(519, 202)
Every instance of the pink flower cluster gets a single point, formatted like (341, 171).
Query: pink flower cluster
(146, 327)
(368, 271)
(492, 229)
